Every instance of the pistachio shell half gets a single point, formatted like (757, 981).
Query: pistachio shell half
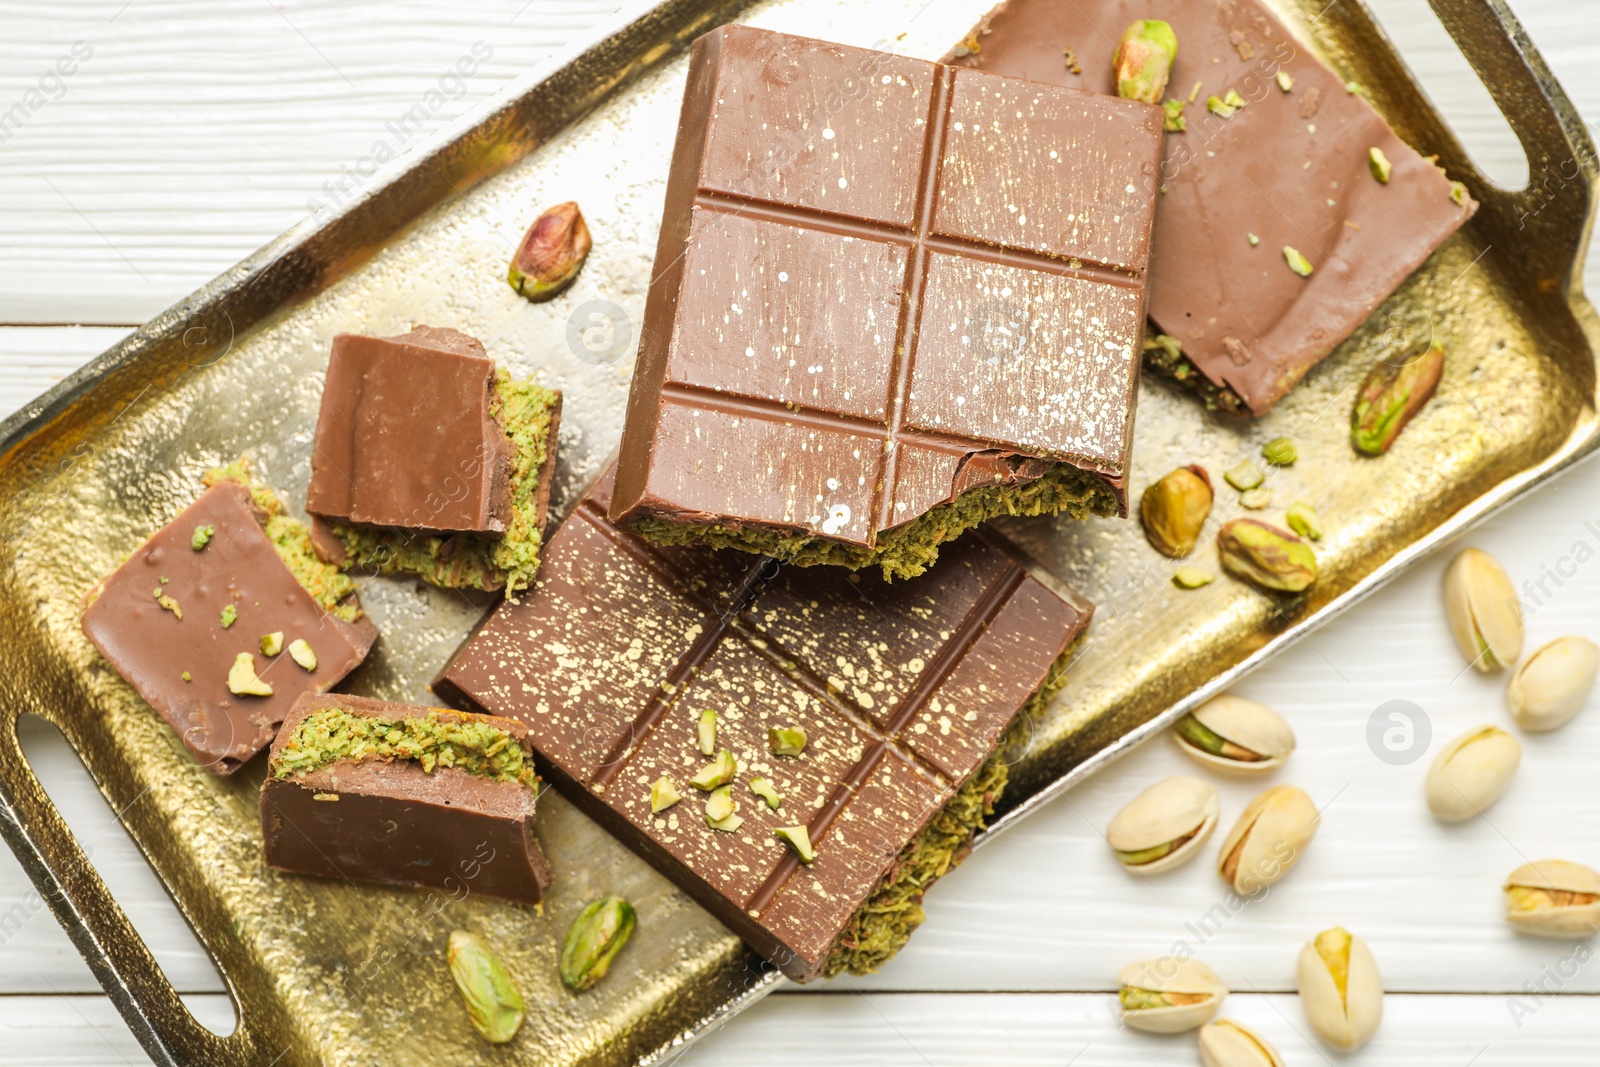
(1268, 840)
(1235, 736)
(1482, 608)
(1169, 995)
(1553, 898)
(1165, 825)
(1471, 772)
(1340, 989)
(1226, 1043)
(1554, 684)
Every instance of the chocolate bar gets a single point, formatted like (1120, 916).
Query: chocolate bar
(1283, 166)
(372, 791)
(231, 577)
(429, 461)
(891, 299)
(649, 672)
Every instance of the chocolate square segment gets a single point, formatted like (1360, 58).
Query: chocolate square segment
(406, 436)
(865, 255)
(220, 599)
(903, 690)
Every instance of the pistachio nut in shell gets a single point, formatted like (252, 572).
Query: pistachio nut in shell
(1226, 1043)
(1235, 736)
(1165, 825)
(1269, 557)
(1554, 898)
(1174, 510)
(1471, 772)
(1169, 995)
(1268, 840)
(1483, 611)
(1340, 989)
(1554, 684)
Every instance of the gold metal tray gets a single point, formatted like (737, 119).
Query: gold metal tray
(343, 974)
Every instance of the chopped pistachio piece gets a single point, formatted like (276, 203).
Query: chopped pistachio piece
(1355, 88)
(1192, 578)
(719, 805)
(271, 644)
(728, 825)
(786, 741)
(168, 604)
(663, 794)
(1280, 452)
(187, 676)
(1285, 81)
(1143, 60)
(303, 654)
(242, 680)
(763, 789)
(1379, 164)
(1174, 121)
(1225, 106)
(201, 536)
(229, 614)
(1458, 193)
(1257, 498)
(718, 772)
(798, 839)
(1297, 262)
(707, 731)
(1254, 240)
(1304, 520)
(1245, 476)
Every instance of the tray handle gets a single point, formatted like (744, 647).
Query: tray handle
(68, 882)
(1552, 217)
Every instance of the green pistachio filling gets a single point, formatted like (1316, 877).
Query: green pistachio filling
(524, 410)
(1164, 355)
(330, 735)
(292, 539)
(911, 548)
(886, 921)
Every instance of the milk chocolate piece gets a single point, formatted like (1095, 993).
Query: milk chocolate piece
(374, 808)
(880, 285)
(429, 461)
(1291, 168)
(162, 621)
(903, 691)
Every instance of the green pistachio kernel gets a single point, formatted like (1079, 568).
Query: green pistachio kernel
(1297, 262)
(786, 740)
(271, 644)
(1304, 520)
(798, 838)
(1245, 476)
(1379, 164)
(1280, 452)
(229, 614)
(707, 732)
(201, 536)
(763, 789)
(1192, 578)
(494, 1007)
(594, 940)
(302, 653)
(718, 772)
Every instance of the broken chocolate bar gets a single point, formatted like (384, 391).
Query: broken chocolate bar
(1278, 230)
(188, 618)
(854, 722)
(372, 791)
(891, 300)
(429, 461)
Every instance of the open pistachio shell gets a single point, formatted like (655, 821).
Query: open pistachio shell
(1235, 736)
(1165, 825)
(1483, 610)
(1268, 840)
(1226, 1043)
(1554, 898)
(1340, 989)
(1169, 995)
(1554, 684)
(1471, 772)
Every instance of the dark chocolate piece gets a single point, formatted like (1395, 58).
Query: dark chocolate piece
(429, 461)
(206, 588)
(405, 436)
(882, 284)
(903, 690)
(1290, 167)
(426, 797)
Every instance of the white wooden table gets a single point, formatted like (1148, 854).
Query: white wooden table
(190, 134)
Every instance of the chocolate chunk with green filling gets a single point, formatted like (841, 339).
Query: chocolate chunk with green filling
(179, 658)
(903, 690)
(427, 797)
(429, 461)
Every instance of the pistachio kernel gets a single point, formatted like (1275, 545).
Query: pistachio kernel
(230, 614)
(1379, 164)
(1297, 262)
(706, 732)
(1174, 510)
(719, 805)
(1192, 578)
(201, 536)
(1280, 452)
(1304, 520)
(786, 740)
(1256, 499)
(494, 1007)
(551, 253)
(1143, 60)
(271, 644)
(242, 680)
(1458, 193)
(728, 825)
(302, 653)
(1254, 240)
(1225, 106)
(1173, 121)
(168, 604)
(763, 789)
(1390, 396)
(593, 941)
(798, 838)
(1285, 81)
(1244, 477)
(1266, 556)
(187, 676)
(718, 772)
(663, 794)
